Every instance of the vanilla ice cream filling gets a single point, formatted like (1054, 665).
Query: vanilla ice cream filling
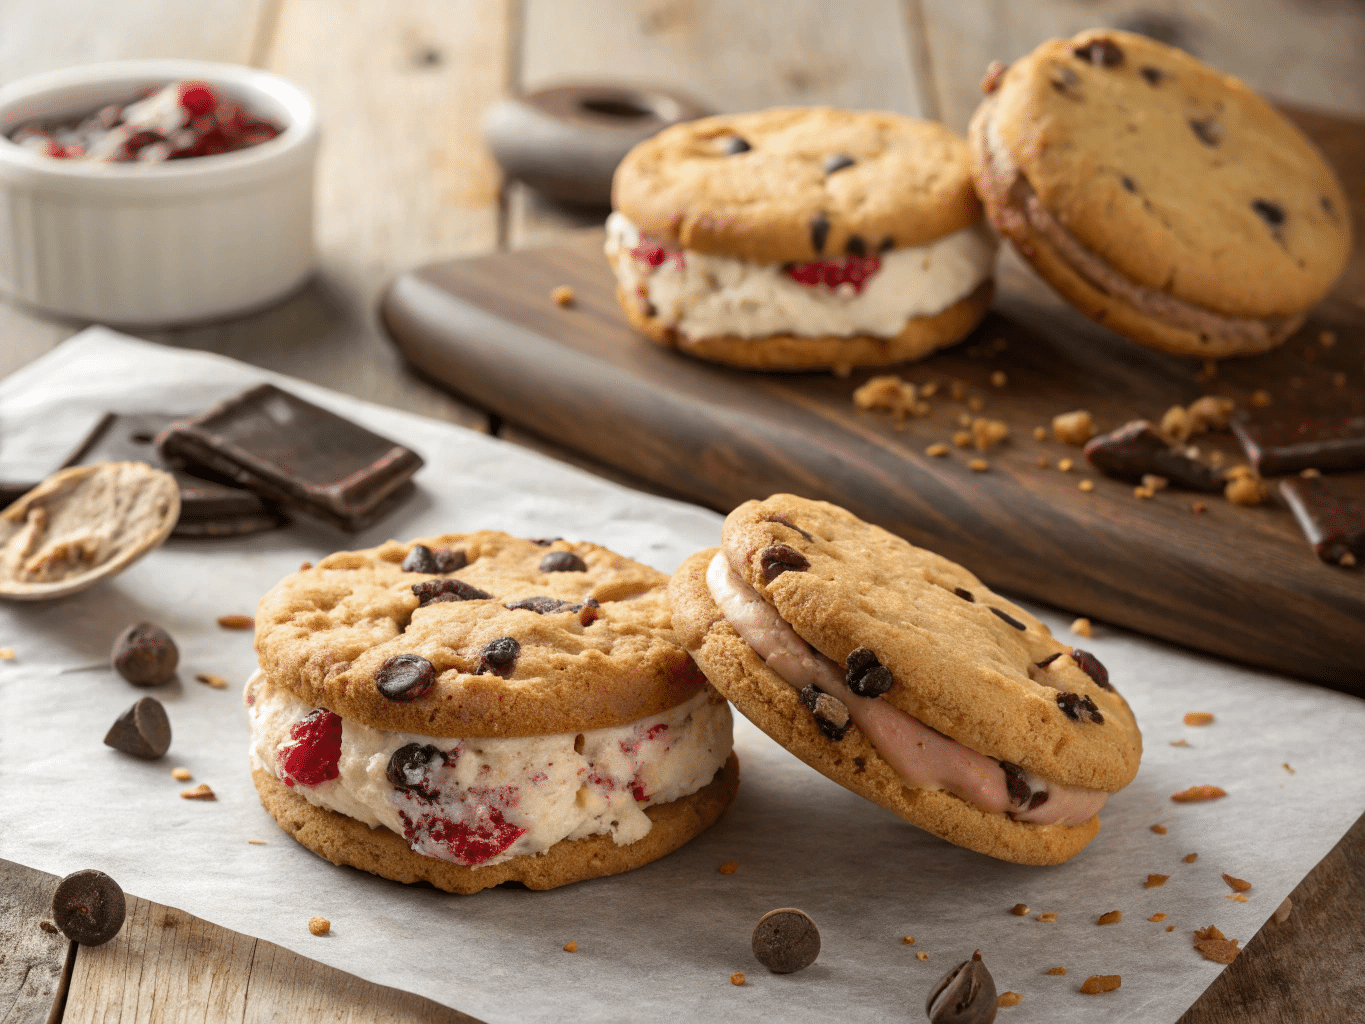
(482, 801)
(922, 757)
(705, 296)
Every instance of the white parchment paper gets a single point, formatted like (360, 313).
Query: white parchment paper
(661, 942)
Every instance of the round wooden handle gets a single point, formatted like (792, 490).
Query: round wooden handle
(566, 141)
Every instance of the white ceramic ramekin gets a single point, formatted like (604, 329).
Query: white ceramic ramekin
(156, 244)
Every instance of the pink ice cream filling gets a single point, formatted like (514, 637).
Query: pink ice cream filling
(922, 757)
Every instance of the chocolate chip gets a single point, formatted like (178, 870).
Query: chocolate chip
(451, 559)
(88, 907)
(855, 246)
(1063, 80)
(786, 940)
(780, 558)
(1136, 449)
(819, 231)
(1090, 665)
(888, 243)
(545, 542)
(965, 995)
(1007, 617)
(733, 145)
(1129, 184)
(787, 522)
(541, 605)
(837, 162)
(590, 612)
(405, 677)
(421, 559)
(562, 561)
(1048, 660)
(1206, 131)
(143, 730)
(1038, 799)
(437, 591)
(1079, 708)
(1271, 213)
(866, 676)
(1103, 53)
(408, 768)
(1016, 783)
(145, 655)
(830, 713)
(1153, 75)
(964, 593)
(499, 657)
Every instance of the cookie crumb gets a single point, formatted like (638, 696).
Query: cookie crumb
(6, 653)
(1243, 490)
(1214, 945)
(1180, 743)
(1074, 428)
(1327, 339)
(735, 979)
(1065, 465)
(1198, 718)
(975, 403)
(1260, 398)
(1198, 508)
(1310, 473)
(305, 566)
(1239, 884)
(921, 955)
(257, 842)
(1086, 485)
(236, 622)
(1155, 881)
(1040, 433)
(994, 72)
(1097, 983)
(1198, 794)
(1043, 462)
(1113, 917)
(1286, 767)
(1283, 911)
(181, 775)
(217, 682)
(572, 947)
(48, 927)
(319, 925)
(1157, 917)
(729, 867)
(843, 369)
(1083, 627)
(999, 379)
(1177, 424)
(1236, 897)
(957, 391)
(199, 792)
(1190, 858)
(1019, 910)
(937, 450)
(890, 394)
(1159, 829)
(928, 390)
(978, 465)
(1010, 999)
(1170, 927)
(1055, 971)
(562, 295)
(1347, 560)
(986, 434)
(909, 940)
(1048, 916)
(962, 439)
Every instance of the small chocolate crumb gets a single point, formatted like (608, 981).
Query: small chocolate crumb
(319, 926)
(831, 714)
(88, 906)
(1079, 708)
(405, 677)
(786, 940)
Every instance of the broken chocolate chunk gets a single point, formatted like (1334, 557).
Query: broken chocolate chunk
(499, 657)
(867, 676)
(1136, 449)
(436, 591)
(143, 730)
(964, 593)
(1333, 525)
(831, 714)
(1271, 213)
(562, 561)
(405, 677)
(837, 162)
(819, 231)
(421, 559)
(89, 907)
(408, 768)
(1048, 660)
(965, 995)
(1007, 617)
(541, 605)
(451, 559)
(733, 145)
(1090, 665)
(1016, 784)
(780, 558)
(1079, 708)
(786, 940)
(1103, 53)
(787, 522)
(1324, 443)
(1206, 131)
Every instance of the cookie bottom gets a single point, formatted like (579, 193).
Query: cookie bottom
(921, 336)
(770, 703)
(346, 841)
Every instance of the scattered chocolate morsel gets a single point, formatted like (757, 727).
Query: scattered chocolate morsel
(451, 559)
(1153, 75)
(1079, 708)
(1090, 665)
(1334, 526)
(733, 145)
(786, 940)
(1048, 660)
(562, 561)
(88, 907)
(837, 162)
(965, 995)
(964, 593)
(1318, 442)
(421, 559)
(1136, 449)
(1007, 617)
(780, 558)
(405, 677)
(541, 605)
(1271, 213)
(1016, 784)
(1206, 131)
(145, 655)
(819, 231)
(775, 518)
(436, 591)
(855, 246)
(867, 676)
(408, 767)
(831, 714)
(499, 657)
(143, 730)
(1103, 53)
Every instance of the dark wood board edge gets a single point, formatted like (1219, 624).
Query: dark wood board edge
(35, 962)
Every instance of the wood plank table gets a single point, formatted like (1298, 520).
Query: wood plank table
(403, 180)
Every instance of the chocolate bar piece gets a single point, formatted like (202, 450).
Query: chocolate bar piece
(1310, 442)
(295, 453)
(1334, 525)
(208, 508)
(1136, 449)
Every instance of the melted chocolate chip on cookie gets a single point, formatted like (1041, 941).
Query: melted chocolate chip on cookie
(1206, 131)
(867, 676)
(733, 145)
(1153, 75)
(1271, 213)
(499, 657)
(779, 559)
(1079, 708)
(819, 231)
(408, 768)
(964, 593)
(855, 246)
(405, 677)
(1016, 784)
(421, 559)
(1103, 53)
(436, 591)
(1090, 665)
(837, 162)
(451, 559)
(787, 522)
(1048, 660)
(562, 561)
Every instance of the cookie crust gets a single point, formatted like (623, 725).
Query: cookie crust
(324, 632)
(346, 841)
(771, 704)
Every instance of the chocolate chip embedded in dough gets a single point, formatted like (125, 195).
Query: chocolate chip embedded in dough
(1103, 53)
(1016, 784)
(143, 730)
(1129, 184)
(421, 559)
(965, 995)
(1048, 660)
(451, 559)
(437, 591)
(541, 605)
(405, 677)
(888, 243)
(776, 518)
(1091, 666)
(836, 162)
(562, 561)
(830, 713)
(855, 246)
(499, 657)
(780, 558)
(145, 655)
(88, 907)
(867, 676)
(1206, 131)
(819, 231)
(1153, 75)
(1037, 800)
(786, 940)
(408, 767)
(1079, 708)
(1064, 80)
(964, 593)
(1007, 617)
(1270, 212)
(733, 145)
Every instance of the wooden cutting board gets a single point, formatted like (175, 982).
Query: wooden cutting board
(1237, 582)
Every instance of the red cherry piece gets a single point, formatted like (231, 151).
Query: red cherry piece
(471, 843)
(197, 97)
(654, 255)
(312, 759)
(855, 270)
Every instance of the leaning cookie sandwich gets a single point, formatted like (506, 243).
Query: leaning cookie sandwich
(475, 708)
(899, 675)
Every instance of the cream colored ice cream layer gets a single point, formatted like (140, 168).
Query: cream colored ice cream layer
(706, 296)
(482, 801)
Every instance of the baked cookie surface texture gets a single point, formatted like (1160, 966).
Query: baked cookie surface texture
(1160, 197)
(801, 238)
(899, 675)
(476, 708)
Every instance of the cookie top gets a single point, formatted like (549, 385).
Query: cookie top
(504, 637)
(799, 184)
(1178, 176)
(964, 660)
